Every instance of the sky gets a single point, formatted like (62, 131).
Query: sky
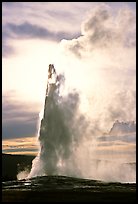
(92, 43)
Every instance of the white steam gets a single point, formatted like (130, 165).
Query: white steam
(103, 65)
(23, 174)
(100, 65)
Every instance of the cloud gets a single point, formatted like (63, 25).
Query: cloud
(7, 50)
(51, 15)
(28, 30)
(18, 119)
(48, 20)
(18, 129)
(26, 145)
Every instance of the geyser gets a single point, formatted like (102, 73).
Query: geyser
(68, 144)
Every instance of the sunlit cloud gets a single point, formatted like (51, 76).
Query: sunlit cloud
(25, 145)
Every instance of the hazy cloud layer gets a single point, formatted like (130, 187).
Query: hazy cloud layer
(18, 119)
(36, 20)
(27, 30)
(131, 138)
(23, 145)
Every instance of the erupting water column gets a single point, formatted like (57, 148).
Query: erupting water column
(55, 134)
(47, 123)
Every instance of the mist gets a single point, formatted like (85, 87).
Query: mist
(99, 88)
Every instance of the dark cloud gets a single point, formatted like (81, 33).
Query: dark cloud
(7, 49)
(18, 120)
(19, 129)
(27, 30)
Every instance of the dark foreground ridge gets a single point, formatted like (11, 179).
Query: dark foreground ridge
(67, 189)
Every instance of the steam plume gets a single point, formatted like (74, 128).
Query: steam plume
(102, 71)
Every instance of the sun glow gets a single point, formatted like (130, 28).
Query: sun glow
(26, 71)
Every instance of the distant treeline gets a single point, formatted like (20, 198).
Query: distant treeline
(13, 164)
